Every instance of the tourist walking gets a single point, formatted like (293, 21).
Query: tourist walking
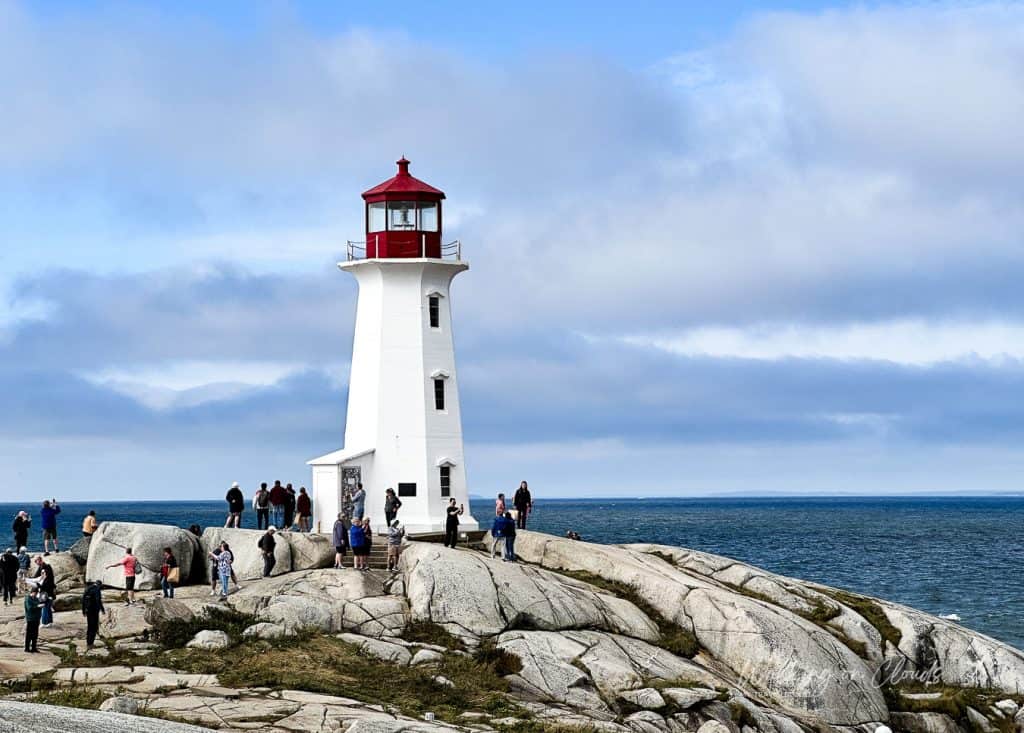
(47, 585)
(92, 607)
(340, 539)
(357, 540)
(289, 507)
(236, 505)
(89, 524)
(24, 561)
(277, 495)
(261, 505)
(9, 575)
(170, 573)
(396, 533)
(267, 545)
(131, 566)
(21, 525)
(451, 523)
(304, 507)
(358, 502)
(523, 503)
(510, 538)
(33, 615)
(391, 506)
(48, 515)
(499, 506)
(224, 570)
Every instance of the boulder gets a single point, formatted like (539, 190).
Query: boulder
(426, 656)
(120, 704)
(162, 610)
(67, 573)
(924, 723)
(310, 551)
(80, 550)
(248, 558)
(210, 640)
(23, 717)
(473, 596)
(686, 697)
(147, 542)
(646, 697)
(713, 726)
(264, 631)
(385, 650)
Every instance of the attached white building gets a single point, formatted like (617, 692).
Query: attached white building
(404, 427)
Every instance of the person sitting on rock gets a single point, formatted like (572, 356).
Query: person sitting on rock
(396, 533)
(92, 607)
(131, 566)
(267, 545)
(340, 538)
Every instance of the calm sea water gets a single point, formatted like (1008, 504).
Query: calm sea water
(942, 555)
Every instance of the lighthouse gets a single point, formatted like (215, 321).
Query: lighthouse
(403, 428)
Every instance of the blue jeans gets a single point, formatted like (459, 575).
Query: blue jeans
(167, 588)
(47, 612)
(224, 578)
(510, 551)
(358, 509)
(277, 513)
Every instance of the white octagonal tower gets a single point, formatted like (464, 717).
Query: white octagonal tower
(403, 428)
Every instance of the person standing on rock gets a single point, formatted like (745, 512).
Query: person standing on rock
(22, 524)
(497, 534)
(396, 533)
(170, 573)
(92, 607)
(131, 566)
(523, 503)
(24, 562)
(261, 504)
(289, 507)
(89, 524)
(277, 495)
(358, 503)
(451, 523)
(224, 570)
(267, 545)
(391, 506)
(510, 538)
(47, 589)
(357, 539)
(9, 573)
(304, 507)
(499, 506)
(340, 539)
(236, 505)
(48, 515)
(33, 615)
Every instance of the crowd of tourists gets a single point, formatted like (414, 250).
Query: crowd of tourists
(277, 506)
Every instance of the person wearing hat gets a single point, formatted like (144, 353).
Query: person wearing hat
(9, 575)
(22, 524)
(92, 607)
(236, 505)
(396, 533)
(267, 544)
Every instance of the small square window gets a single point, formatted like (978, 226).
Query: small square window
(434, 306)
(439, 394)
(407, 489)
(446, 480)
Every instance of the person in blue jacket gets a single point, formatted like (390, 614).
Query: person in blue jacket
(497, 533)
(510, 537)
(357, 540)
(49, 514)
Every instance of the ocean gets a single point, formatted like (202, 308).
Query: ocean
(941, 555)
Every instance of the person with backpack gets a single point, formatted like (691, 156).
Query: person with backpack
(391, 506)
(340, 538)
(9, 574)
(510, 538)
(170, 573)
(92, 607)
(267, 545)
(21, 525)
(261, 504)
(523, 502)
(33, 615)
(48, 515)
(131, 566)
(236, 505)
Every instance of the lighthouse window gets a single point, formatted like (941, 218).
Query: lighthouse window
(376, 220)
(439, 394)
(428, 217)
(401, 215)
(434, 306)
(446, 481)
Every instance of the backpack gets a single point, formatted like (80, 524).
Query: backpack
(137, 567)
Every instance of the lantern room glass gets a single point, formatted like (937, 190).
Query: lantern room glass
(401, 215)
(376, 217)
(428, 217)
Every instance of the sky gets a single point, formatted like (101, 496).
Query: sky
(715, 248)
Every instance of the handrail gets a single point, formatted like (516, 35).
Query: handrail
(356, 250)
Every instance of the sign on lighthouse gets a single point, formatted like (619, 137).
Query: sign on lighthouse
(403, 429)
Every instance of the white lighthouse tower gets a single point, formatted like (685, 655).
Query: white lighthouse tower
(404, 428)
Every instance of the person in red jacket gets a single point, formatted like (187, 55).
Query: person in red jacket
(277, 499)
(304, 508)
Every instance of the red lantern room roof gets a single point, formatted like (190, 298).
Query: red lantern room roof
(402, 185)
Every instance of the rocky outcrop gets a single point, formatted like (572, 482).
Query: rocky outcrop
(473, 597)
(309, 551)
(80, 550)
(147, 542)
(162, 610)
(248, 558)
(67, 572)
(21, 717)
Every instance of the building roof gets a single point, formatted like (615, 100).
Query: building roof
(339, 456)
(402, 183)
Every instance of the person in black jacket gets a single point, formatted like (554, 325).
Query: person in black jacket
(9, 575)
(236, 505)
(289, 507)
(267, 544)
(22, 524)
(523, 503)
(92, 607)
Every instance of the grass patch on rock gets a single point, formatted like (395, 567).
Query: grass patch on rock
(951, 701)
(674, 638)
(174, 633)
(428, 632)
(871, 612)
(76, 696)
